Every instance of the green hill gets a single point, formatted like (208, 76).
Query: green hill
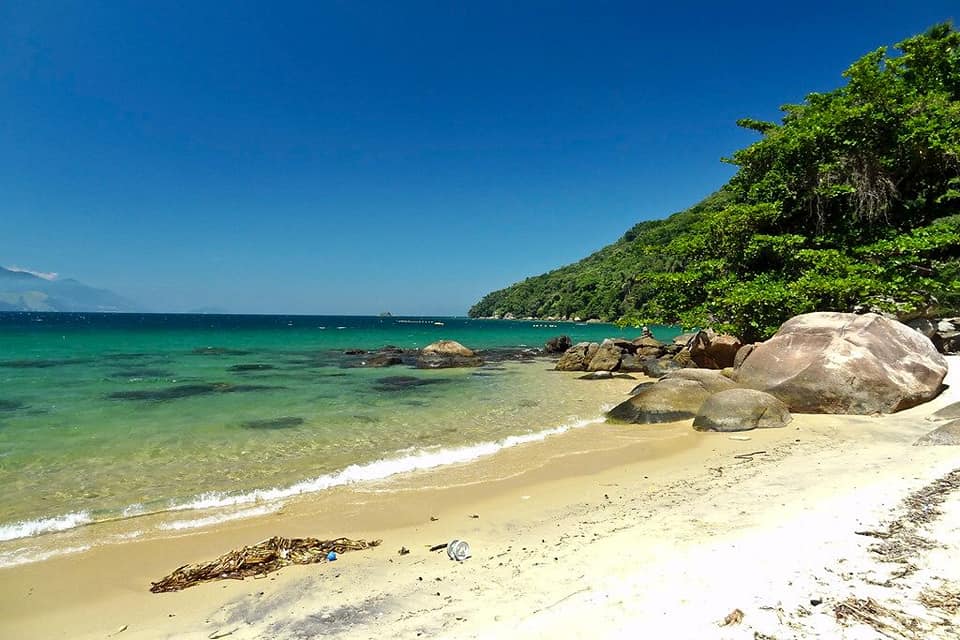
(851, 202)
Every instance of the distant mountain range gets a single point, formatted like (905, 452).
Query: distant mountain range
(23, 291)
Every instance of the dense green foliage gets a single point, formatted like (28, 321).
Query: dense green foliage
(852, 201)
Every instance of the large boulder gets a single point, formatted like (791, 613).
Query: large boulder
(632, 363)
(665, 401)
(710, 379)
(845, 363)
(660, 367)
(741, 410)
(742, 354)
(577, 357)
(947, 434)
(557, 344)
(949, 412)
(445, 354)
(606, 358)
(723, 349)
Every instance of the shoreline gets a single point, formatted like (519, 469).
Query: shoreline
(571, 517)
(81, 531)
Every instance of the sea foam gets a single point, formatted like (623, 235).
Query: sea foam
(419, 460)
(28, 528)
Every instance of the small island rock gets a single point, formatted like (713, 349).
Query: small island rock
(447, 348)
(446, 354)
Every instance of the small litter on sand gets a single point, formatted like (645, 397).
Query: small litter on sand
(740, 438)
(259, 559)
(458, 550)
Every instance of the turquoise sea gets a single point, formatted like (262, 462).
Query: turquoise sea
(110, 416)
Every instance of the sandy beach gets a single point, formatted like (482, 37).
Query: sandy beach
(606, 531)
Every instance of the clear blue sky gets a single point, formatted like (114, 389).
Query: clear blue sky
(354, 157)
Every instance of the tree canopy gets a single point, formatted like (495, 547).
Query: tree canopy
(851, 201)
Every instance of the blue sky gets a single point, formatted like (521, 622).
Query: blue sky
(355, 157)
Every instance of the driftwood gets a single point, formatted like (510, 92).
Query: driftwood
(259, 559)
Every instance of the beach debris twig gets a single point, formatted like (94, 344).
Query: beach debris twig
(259, 559)
(946, 598)
(561, 600)
(883, 620)
(748, 456)
(439, 547)
(734, 617)
(216, 634)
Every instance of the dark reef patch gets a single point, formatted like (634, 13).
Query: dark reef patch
(283, 422)
(256, 366)
(142, 373)
(218, 351)
(42, 364)
(188, 391)
(11, 405)
(402, 383)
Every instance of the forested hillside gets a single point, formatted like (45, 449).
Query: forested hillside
(851, 201)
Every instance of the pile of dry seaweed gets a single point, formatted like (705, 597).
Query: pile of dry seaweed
(259, 559)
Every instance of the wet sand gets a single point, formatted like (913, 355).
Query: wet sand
(606, 531)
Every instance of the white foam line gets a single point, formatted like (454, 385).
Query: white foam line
(28, 528)
(196, 523)
(378, 470)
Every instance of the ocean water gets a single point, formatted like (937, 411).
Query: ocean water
(208, 418)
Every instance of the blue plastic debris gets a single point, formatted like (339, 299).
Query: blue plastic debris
(332, 556)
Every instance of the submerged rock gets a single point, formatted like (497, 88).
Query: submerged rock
(948, 434)
(665, 401)
(284, 422)
(741, 410)
(845, 363)
(382, 360)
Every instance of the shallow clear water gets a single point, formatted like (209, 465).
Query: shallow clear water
(106, 416)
